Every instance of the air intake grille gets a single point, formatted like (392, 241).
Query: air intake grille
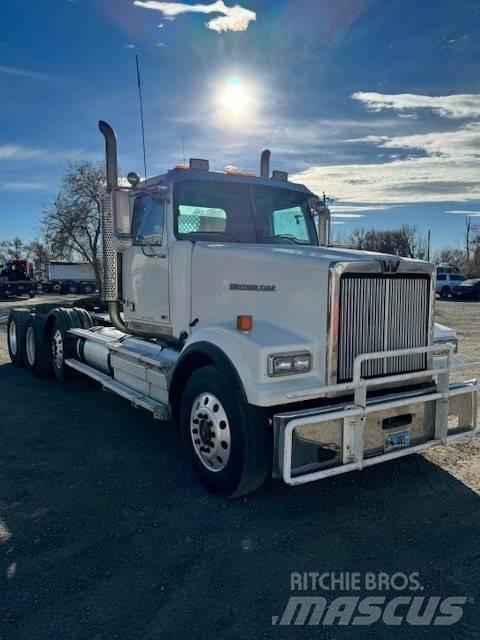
(380, 312)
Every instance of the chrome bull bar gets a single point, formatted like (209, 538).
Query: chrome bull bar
(353, 416)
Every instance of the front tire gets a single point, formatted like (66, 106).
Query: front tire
(445, 292)
(229, 441)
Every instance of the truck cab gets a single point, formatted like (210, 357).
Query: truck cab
(273, 352)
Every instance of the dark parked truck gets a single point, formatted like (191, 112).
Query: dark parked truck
(273, 352)
(15, 281)
(69, 277)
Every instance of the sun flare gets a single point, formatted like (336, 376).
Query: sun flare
(235, 98)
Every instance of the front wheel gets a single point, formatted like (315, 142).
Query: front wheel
(229, 441)
(445, 292)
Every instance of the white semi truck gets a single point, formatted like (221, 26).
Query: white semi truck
(273, 352)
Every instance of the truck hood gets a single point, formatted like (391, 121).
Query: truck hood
(315, 254)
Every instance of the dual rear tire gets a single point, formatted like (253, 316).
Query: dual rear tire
(16, 329)
(43, 344)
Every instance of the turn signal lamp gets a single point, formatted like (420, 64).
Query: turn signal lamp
(244, 323)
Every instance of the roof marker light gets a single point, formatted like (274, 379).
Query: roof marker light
(199, 163)
(280, 175)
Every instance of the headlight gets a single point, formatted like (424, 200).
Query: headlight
(284, 364)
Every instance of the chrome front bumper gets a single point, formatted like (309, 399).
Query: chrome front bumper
(334, 439)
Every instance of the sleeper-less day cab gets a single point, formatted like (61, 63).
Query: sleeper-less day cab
(272, 351)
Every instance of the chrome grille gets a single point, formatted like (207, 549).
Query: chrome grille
(379, 312)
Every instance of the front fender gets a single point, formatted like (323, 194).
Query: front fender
(248, 353)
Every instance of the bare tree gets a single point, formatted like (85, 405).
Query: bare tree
(406, 241)
(71, 224)
(15, 249)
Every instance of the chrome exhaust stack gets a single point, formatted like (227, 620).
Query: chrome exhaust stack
(265, 163)
(323, 222)
(111, 260)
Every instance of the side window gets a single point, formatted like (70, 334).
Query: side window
(290, 222)
(193, 219)
(148, 220)
(441, 276)
(457, 278)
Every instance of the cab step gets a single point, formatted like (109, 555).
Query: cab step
(160, 411)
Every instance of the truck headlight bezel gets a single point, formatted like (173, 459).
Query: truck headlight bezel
(287, 364)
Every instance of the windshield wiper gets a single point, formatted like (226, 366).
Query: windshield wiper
(281, 236)
(212, 233)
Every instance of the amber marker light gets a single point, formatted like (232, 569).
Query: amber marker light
(244, 323)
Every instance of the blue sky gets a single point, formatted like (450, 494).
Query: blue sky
(376, 102)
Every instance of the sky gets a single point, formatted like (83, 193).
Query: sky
(374, 102)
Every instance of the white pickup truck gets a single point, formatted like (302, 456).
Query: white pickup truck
(273, 352)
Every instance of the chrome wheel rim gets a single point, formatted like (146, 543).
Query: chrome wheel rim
(57, 349)
(30, 346)
(210, 432)
(12, 337)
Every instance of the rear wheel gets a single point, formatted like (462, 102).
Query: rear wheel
(56, 287)
(62, 344)
(228, 440)
(16, 328)
(37, 353)
(87, 289)
(72, 288)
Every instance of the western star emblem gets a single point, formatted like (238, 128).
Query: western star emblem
(389, 265)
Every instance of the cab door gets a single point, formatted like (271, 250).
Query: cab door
(147, 274)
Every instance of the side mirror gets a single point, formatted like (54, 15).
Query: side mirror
(122, 239)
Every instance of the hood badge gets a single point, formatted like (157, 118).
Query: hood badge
(252, 287)
(389, 265)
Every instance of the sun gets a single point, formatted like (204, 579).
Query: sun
(235, 98)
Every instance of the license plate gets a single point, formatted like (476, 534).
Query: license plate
(398, 440)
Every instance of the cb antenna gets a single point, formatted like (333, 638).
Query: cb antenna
(183, 151)
(139, 84)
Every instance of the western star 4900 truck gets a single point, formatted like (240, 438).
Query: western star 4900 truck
(273, 352)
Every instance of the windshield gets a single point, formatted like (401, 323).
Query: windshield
(469, 283)
(235, 212)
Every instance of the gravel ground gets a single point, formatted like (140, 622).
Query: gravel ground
(104, 532)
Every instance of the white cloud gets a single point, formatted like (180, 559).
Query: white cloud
(23, 73)
(400, 181)
(353, 208)
(471, 214)
(465, 105)
(460, 143)
(347, 215)
(23, 186)
(235, 18)
(17, 152)
(447, 169)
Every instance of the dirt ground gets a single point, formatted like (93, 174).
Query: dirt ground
(105, 533)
